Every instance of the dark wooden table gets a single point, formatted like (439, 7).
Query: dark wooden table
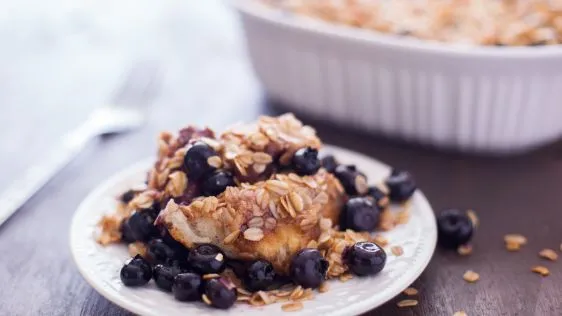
(71, 57)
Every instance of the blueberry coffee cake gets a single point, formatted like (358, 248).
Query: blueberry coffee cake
(254, 215)
(480, 22)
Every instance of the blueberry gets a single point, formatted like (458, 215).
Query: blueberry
(454, 228)
(365, 258)
(220, 292)
(308, 268)
(359, 214)
(164, 276)
(126, 232)
(401, 186)
(187, 287)
(206, 259)
(141, 226)
(353, 181)
(239, 267)
(153, 211)
(329, 163)
(217, 182)
(160, 252)
(127, 196)
(380, 198)
(259, 275)
(136, 272)
(305, 161)
(180, 251)
(195, 161)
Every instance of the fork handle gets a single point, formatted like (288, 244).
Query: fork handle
(34, 178)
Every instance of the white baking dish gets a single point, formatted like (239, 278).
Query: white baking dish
(484, 99)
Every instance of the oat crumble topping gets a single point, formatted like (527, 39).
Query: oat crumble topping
(477, 22)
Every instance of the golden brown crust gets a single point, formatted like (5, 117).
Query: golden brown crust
(269, 220)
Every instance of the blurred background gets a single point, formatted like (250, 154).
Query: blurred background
(60, 60)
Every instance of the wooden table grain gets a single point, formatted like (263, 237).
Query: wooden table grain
(61, 59)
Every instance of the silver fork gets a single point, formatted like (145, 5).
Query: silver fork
(126, 112)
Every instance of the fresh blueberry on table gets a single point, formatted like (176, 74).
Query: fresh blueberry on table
(353, 181)
(306, 162)
(195, 161)
(164, 276)
(365, 258)
(206, 259)
(308, 268)
(454, 228)
(187, 287)
(329, 163)
(220, 292)
(259, 275)
(217, 182)
(401, 186)
(136, 272)
(359, 214)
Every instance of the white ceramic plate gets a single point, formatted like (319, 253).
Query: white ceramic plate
(100, 266)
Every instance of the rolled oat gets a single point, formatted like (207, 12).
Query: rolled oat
(548, 254)
(471, 276)
(407, 303)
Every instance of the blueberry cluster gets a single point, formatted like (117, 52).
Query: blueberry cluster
(182, 273)
(197, 165)
(362, 211)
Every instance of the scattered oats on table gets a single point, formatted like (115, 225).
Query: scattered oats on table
(407, 303)
(410, 291)
(548, 254)
(513, 242)
(510, 246)
(464, 250)
(471, 276)
(515, 238)
(541, 270)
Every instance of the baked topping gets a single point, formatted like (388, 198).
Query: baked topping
(482, 22)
